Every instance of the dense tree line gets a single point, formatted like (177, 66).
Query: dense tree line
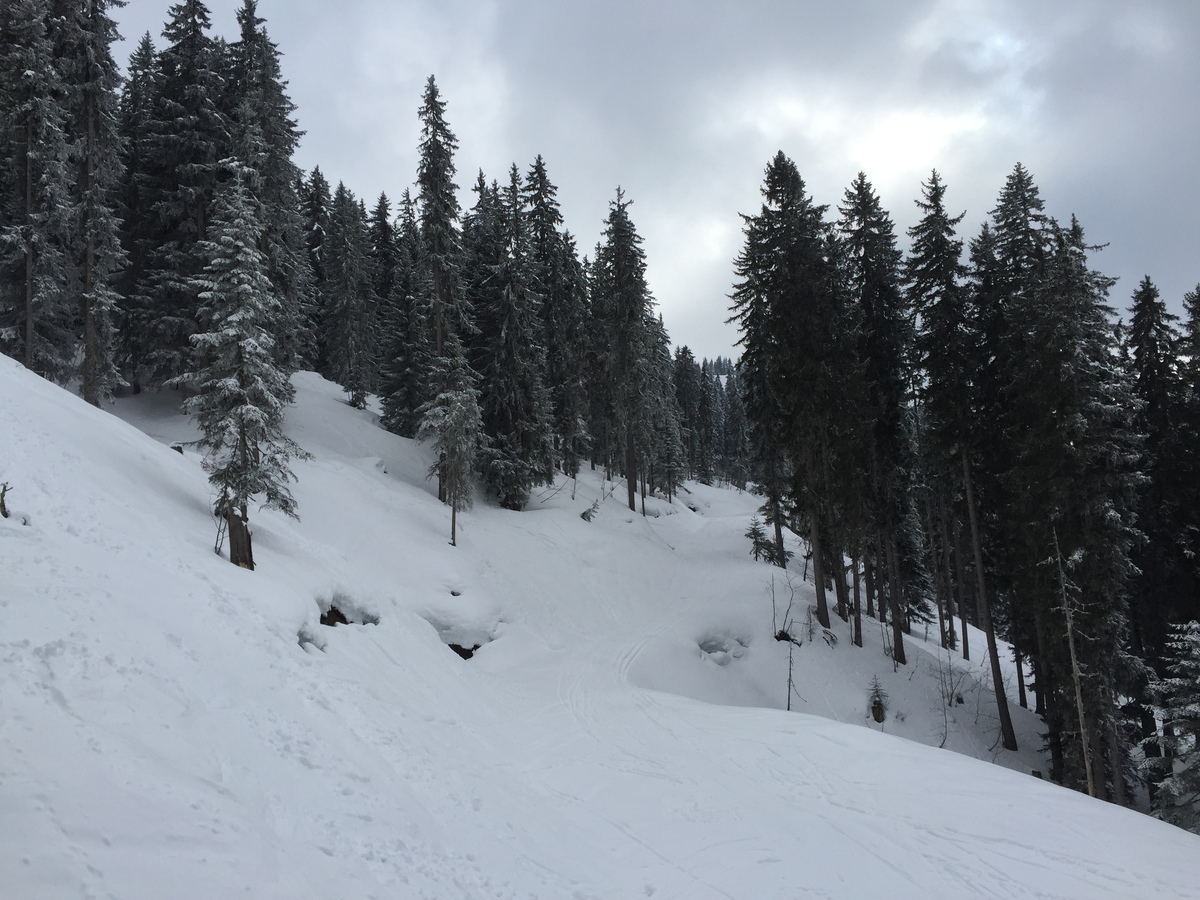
(979, 437)
(158, 233)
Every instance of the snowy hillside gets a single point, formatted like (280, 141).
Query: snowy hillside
(174, 727)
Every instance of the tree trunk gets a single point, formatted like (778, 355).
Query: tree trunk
(29, 251)
(241, 553)
(838, 562)
(90, 387)
(1119, 795)
(949, 575)
(857, 604)
(818, 569)
(961, 568)
(939, 588)
(1007, 733)
(898, 617)
(869, 579)
(454, 524)
(1022, 700)
(631, 466)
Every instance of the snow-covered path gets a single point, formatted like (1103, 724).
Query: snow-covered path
(171, 726)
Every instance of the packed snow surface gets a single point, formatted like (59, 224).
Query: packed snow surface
(172, 726)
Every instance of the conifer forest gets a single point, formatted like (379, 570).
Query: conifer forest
(965, 427)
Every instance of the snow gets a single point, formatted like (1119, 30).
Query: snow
(173, 726)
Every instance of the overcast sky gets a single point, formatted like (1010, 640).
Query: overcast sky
(683, 102)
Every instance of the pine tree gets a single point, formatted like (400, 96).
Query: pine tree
(1163, 566)
(347, 299)
(556, 276)
(934, 274)
(451, 418)
(885, 347)
(452, 423)
(514, 402)
(438, 217)
(624, 304)
(138, 225)
(188, 135)
(240, 392)
(256, 96)
(86, 33)
(38, 309)
(1177, 771)
(406, 341)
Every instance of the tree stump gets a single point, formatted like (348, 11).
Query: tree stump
(240, 551)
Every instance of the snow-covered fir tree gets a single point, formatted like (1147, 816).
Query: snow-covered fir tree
(241, 393)
(38, 306)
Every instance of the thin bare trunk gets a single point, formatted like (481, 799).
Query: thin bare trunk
(961, 568)
(869, 579)
(29, 251)
(818, 569)
(898, 616)
(1083, 726)
(1007, 733)
(857, 604)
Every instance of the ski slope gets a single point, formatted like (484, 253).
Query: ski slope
(172, 726)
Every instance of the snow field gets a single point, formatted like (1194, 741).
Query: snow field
(172, 726)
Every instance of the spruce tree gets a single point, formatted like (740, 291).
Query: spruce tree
(885, 340)
(451, 423)
(1154, 344)
(84, 33)
(1176, 772)
(624, 302)
(188, 135)
(450, 420)
(38, 306)
(138, 223)
(240, 391)
(257, 97)
(406, 341)
(514, 402)
(347, 299)
(556, 276)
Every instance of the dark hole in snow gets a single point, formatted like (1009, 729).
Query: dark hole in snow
(464, 652)
(334, 616)
(342, 610)
(178, 448)
(456, 593)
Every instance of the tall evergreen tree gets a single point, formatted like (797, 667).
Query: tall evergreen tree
(257, 98)
(188, 135)
(240, 392)
(556, 276)
(138, 225)
(624, 303)
(1176, 772)
(38, 308)
(515, 404)
(451, 418)
(885, 348)
(1154, 343)
(406, 340)
(86, 33)
(347, 299)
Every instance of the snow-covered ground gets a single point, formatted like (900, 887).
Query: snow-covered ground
(174, 727)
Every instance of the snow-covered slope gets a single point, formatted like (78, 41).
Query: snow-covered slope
(172, 726)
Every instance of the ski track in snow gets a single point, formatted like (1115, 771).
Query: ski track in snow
(171, 726)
